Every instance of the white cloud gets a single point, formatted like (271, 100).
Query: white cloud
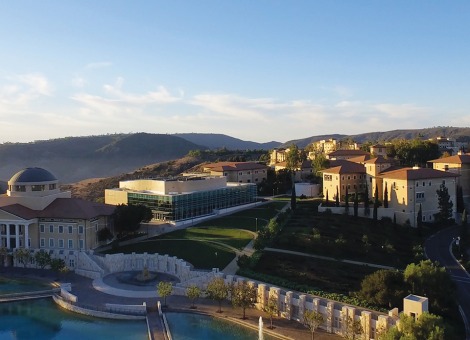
(24, 88)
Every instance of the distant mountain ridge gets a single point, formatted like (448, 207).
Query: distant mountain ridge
(73, 159)
(217, 140)
(446, 131)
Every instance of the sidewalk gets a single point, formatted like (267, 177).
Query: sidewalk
(291, 252)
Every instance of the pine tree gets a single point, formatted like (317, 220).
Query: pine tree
(445, 205)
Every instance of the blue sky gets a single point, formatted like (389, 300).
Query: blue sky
(255, 70)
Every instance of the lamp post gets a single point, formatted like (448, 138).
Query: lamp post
(256, 226)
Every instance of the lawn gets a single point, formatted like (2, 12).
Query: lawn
(330, 276)
(198, 245)
(346, 237)
(237, 238)
(202, 255)
(246, 219)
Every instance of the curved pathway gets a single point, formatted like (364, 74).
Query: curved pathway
(438, 247)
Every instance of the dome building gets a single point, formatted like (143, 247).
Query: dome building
(36, 215)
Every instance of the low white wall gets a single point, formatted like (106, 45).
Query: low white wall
(381, 212)
(111, 307)
(99, 314)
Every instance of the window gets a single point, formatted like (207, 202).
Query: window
(42, 228)
(51, 228)
(444, 182)
(61, 243)
(328, 177)
(349, 177)
(70, 244)
(424, 184)
(51, 186)
(80, 229)
(38, 187)
(61, 229)
(419, 196)
(29, 242)
(51, 243)
(71, 263)
(430, 183)
(354, 176)
(248, 172)
(42, 242)
(81, 244)
(70, 229)
(417, 184)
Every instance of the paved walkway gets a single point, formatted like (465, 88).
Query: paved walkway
(291, 252)
(84, 289)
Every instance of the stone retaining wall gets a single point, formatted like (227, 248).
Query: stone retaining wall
(64, 303)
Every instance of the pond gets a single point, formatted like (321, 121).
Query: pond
(9, 286)
(42, 319)
(190, 326)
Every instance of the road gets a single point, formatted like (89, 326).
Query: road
(438, 248)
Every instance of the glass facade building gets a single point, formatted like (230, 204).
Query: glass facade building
(178, 207)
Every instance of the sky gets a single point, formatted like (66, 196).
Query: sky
(255, 70)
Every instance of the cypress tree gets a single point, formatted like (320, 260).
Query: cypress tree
(376, 202)
(326, 198)
(337, 197)
(386, 197)
(366, 201)
(356, 204)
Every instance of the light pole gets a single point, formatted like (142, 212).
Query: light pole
(256, 226)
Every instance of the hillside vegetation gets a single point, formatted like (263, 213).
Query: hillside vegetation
(461, 134)
(93, 189)
(76, 158)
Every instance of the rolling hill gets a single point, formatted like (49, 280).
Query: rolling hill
(462, 134)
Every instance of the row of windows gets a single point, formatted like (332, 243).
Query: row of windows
(42, 228)
(38, 187)
(248, 173)
(60, 243)
(330, 177)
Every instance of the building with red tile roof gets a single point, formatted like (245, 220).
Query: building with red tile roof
(36, 215)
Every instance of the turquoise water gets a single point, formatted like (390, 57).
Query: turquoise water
(43, 319)
(187, 326)
(8, 286)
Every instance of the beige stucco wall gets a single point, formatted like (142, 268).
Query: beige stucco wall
(115, 196)
(402, 197)
(356, 181)
(463, 180)
(167, 187)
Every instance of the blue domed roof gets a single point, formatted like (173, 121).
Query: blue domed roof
(32, 175)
